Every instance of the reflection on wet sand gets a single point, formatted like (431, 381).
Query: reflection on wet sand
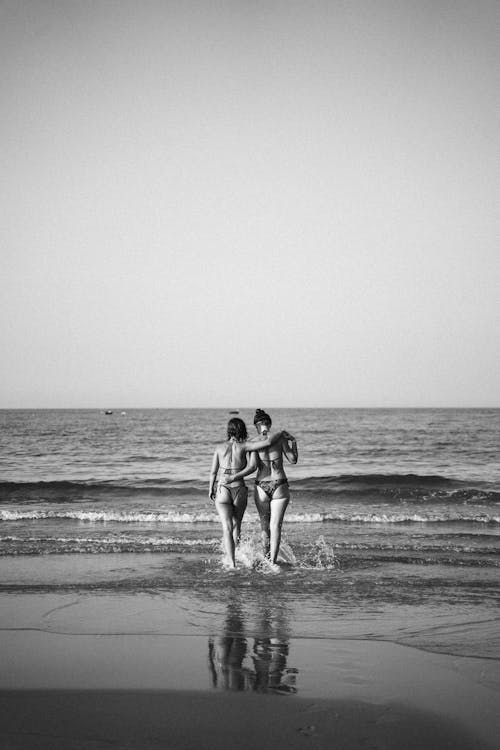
(265, 669)
(270, 667)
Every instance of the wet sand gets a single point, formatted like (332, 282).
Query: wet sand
(130, 672)
(127, 720)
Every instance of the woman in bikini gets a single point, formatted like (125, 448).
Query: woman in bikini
(231, 493)
(272, 493)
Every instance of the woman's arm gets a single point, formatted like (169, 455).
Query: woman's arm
(213, 475)
(249, 468)
(290, 450)
(261, 443)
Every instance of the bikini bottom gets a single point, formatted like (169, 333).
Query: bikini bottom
(232, 495)
(270, 486)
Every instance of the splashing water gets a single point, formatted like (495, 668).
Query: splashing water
(286, 554)
(249, 553)
(320, 556)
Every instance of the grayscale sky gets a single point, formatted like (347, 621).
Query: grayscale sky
(255, 203)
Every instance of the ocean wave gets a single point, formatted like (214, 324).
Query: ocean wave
(180, 517)
(69, 491)
(143, 458)
(361, 488)
(417, 548)
(96, 516)
(309, 555)
(15, 545)
(391, 518)
(153, 541)
(162, 541)
(398, 488)
(384, 480)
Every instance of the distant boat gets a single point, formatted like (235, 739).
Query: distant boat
(108, 411)
(234, 411)
(124, 412)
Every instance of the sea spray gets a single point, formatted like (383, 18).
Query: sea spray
(249, 552)
(250, 555)
(286, 554)
(320, 556)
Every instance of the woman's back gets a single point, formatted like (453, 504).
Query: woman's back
(270, 463)
(232, 455)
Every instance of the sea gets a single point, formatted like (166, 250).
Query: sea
(392, 532)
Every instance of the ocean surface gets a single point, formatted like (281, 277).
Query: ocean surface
(393, 530)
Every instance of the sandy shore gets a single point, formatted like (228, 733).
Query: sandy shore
(129, 673)
(125, 720)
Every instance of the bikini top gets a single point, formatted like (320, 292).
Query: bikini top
(270, 460)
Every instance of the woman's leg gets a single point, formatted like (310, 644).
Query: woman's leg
(240, 499)
(279, 504)
(263, 505)
(225, 510)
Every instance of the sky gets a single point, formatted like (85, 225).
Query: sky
(249, 203)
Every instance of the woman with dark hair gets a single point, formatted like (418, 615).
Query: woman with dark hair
(231, 493)
(272, 493)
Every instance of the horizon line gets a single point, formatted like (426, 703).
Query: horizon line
(231, 409)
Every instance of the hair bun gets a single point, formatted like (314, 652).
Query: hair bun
(261, 416)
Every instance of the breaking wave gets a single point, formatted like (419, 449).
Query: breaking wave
(362, 488)
(209, 517)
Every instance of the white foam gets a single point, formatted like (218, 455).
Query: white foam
(320, 556)
(119, 539)
(286, 554)
(249, 553)
(95, 516)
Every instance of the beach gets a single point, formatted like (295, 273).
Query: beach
(280, 213)
(90, 671)
(94, 671)
(120, 626)
(73, 720)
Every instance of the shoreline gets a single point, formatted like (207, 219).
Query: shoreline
(339, 686)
